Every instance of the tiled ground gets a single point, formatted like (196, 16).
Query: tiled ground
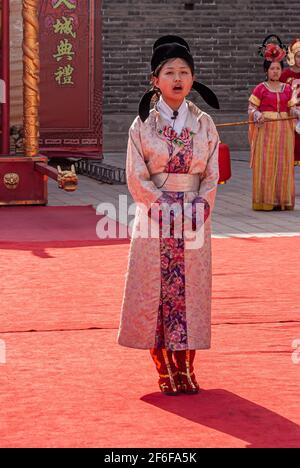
(233, 215)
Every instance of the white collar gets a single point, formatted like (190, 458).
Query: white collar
(167, 114)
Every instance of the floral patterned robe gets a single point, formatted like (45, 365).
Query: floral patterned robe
(167, 297)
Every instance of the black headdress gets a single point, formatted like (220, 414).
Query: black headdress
(165, 48)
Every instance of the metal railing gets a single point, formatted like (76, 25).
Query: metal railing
(100, 171)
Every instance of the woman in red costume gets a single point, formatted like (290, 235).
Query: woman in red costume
(291, 76)
(271, 104)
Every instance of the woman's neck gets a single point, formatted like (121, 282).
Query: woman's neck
(274, 84)
(173, 104)
(295, 69)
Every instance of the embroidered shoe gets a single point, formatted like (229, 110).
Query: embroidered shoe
(187, 379)
(168, 375)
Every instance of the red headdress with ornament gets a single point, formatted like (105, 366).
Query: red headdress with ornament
(274, 53)
(272, 49)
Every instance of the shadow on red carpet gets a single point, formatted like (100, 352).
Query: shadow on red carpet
(232, 415)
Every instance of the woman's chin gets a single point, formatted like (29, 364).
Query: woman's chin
(176, 95)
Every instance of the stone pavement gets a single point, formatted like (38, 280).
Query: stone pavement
(232, 216)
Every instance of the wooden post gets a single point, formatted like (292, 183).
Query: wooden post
(31, 72)
(5, 147)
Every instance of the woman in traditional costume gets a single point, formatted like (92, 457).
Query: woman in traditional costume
(272, 137)
(172, 167)
(291, 75)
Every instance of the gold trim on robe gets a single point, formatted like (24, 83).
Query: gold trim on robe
(292, 102)
(254, 100)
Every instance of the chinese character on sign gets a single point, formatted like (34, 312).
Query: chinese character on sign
(63, 75)
(71, 4)
(64, 27)
(64, 49)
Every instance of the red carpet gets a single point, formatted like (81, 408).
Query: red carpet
(62, 387)
(50, 223)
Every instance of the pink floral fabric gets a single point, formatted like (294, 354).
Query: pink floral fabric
(171, 331)
(147, 155)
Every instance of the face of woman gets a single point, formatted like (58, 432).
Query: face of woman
(274, 71)
(297, 59)
(175, 80)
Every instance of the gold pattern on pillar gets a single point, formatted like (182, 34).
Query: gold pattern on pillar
(31, 70)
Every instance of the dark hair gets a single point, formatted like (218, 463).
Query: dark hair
(267, 65)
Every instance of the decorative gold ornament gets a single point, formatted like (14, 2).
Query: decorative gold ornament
(11, 180)
(67, 180)
(293, 50)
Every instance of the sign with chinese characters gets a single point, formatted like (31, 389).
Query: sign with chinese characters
(71, 77)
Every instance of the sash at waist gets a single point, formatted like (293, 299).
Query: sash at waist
(173, 182)
(275, 115)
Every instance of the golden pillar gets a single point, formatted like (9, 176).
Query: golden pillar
(31, 71)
